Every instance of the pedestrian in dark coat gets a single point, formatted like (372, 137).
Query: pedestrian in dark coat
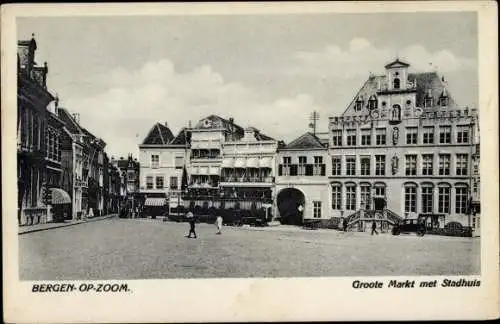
(192, 224)
(374, 227)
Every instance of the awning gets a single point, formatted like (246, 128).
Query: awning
(252, 163)
(240, 163)
(228, 163)
(60, 196)
(266, 162)
(155, 202)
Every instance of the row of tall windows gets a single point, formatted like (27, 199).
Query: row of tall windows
(158, 182)
(351, 195)
(462, 136)
(427, 199)
(443, 167)
(365, 165)
(303, 168)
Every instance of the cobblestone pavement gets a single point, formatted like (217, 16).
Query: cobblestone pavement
(141, 249)
(46, 226)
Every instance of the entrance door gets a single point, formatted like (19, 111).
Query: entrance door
(291, 206)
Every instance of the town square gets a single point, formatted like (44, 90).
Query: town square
(352, 154)
(146, 249)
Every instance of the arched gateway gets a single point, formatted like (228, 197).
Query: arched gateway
(291, 204)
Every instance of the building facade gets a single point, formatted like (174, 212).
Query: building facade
(161, 163)
(130, 169)
(32, 119)
(402, 149)
(248, 171)
(302, 183)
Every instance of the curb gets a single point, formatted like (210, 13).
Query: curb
(66, 225)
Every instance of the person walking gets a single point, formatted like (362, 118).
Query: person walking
(374, 227)
(219, 224)
(192, 224)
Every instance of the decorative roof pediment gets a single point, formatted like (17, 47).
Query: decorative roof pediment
(397, 64)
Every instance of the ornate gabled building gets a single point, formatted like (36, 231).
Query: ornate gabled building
(302, 183)
(129, 169)
(403, 148)
(32, 120)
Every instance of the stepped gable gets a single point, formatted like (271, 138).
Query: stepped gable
(425, 81)
(306, 141)
(159, 134)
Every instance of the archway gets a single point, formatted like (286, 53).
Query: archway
(290, 201)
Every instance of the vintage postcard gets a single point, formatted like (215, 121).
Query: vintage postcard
(250, 161)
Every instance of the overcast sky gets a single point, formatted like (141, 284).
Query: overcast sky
(123, 74)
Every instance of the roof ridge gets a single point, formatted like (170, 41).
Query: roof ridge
(159, 131)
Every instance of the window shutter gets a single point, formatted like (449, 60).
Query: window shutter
(323, 169)
(280, 170)
(309, 169)
(293, 169)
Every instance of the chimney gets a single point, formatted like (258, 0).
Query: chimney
(166, 124)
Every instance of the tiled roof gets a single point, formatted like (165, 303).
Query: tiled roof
(159, 134)
(425, 81)
(258, 135)
(69, 122)
(182, 138)
(306, 141)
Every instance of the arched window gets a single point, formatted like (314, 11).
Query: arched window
(427, 198)
(444, 198)
(396, 112)
(336, 196)
(396, 83)
(410, 196)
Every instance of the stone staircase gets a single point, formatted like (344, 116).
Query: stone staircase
(387, 216)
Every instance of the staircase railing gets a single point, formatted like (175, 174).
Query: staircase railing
(393, 217)
(351, 219)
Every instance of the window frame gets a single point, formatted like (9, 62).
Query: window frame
(411, 164)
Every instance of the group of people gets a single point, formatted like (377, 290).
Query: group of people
(192, 225)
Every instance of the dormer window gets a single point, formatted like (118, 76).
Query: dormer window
(443, 101)
(443, 98)
(428, 103)
(372, 103)
(359, 104)
(396, 83)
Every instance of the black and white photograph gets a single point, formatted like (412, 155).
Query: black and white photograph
(221, 146)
